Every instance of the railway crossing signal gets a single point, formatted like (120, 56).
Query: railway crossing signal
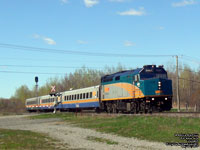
(53, 89)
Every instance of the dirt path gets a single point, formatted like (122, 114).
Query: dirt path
(76, 137)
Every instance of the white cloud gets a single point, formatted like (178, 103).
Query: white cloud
(161, 28)
(64, 1)
(81, 42)
(184, 3)
(36, 36)
(133, 12)
(119, 1)
(128, 43)
(47, 40)
(90, 3)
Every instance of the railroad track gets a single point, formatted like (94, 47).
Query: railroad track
(178, 114)
(165, 114)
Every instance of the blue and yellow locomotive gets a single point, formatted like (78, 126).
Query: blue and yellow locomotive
(144, 89)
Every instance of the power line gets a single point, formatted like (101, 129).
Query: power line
(194, 81)
(37, 49)
(28, 66)
(189, 71)
(55, 60)
(189, 80)
(21, 72)
(50, 73)
(189, 58)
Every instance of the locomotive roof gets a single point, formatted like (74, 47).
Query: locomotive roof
(146, 68)
(125, 72)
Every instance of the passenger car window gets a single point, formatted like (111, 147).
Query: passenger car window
(83, 95)
(87, 95)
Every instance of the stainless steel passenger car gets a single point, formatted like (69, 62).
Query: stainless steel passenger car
(80, 98)
(32, 104)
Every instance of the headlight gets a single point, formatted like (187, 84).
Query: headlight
(159, 83)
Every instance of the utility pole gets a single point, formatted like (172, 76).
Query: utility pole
(177, 84)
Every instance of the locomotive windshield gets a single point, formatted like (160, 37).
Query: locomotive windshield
(153, 72)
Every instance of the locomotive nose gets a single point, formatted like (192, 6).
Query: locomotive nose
(159, 85)
(159, 88)
(164, 87)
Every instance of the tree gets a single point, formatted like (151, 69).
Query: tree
(22, 93)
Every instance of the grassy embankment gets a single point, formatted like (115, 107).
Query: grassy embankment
(182, 110)
(26, 140)
(153, 128)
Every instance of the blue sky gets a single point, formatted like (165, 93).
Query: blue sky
(135, 27)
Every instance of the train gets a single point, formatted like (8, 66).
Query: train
(142, 90)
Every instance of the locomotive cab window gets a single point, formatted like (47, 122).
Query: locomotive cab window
(149, 73)
(163, 76)
(136, 78)
(117, 78)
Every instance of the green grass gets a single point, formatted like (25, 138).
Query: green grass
(182, 110)
(152, 128)
(102, 140)
(25, 140)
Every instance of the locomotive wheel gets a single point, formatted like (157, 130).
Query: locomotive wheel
(109, 108)
(114, 108)
(134, 108)
(150, 109)
(143, 107)
(97, 110)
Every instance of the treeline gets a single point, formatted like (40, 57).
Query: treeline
(81, 78)
(11, 106)
(189, 84)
